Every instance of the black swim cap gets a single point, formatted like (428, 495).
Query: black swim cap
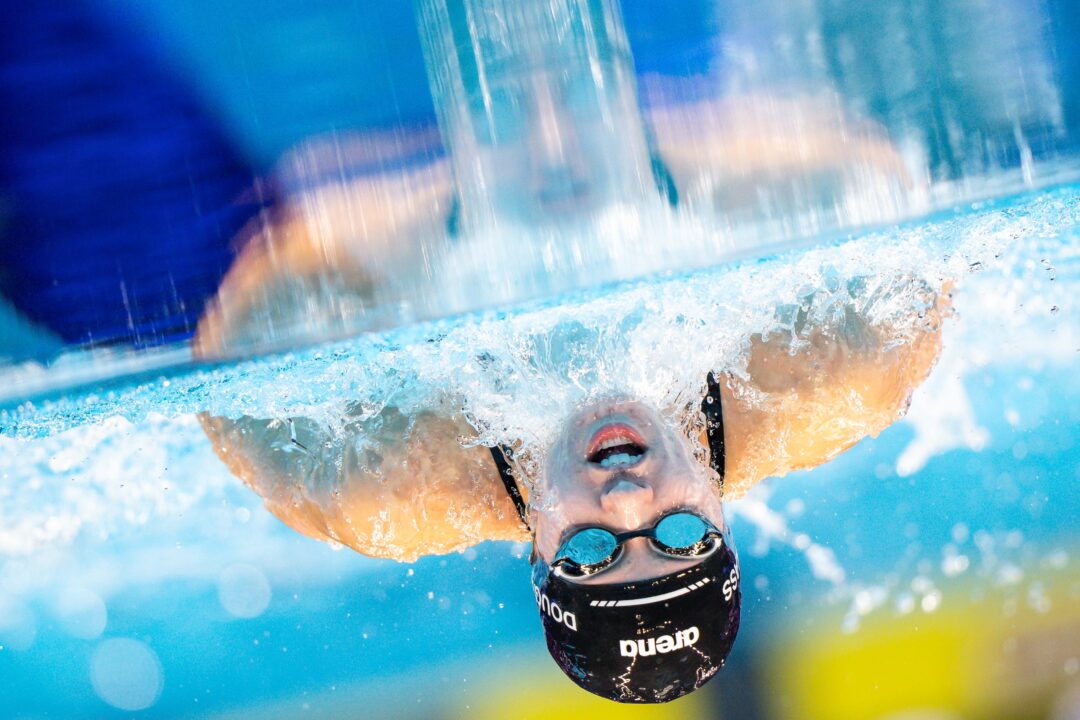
(648, 641)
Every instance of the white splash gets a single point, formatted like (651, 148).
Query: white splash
(92, 468)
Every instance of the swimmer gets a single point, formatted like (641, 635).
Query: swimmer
(634, 571)
(621, 509)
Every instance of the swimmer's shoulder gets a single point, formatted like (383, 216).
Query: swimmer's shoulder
(796, 410)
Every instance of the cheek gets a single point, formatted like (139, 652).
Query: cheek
(561, 479)
(565, 500)
(688, 487)
(707, 501)
(559, 508)
(547, 530)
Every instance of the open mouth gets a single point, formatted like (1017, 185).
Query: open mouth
(616, 446)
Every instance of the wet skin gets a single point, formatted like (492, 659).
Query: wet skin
(576, 492)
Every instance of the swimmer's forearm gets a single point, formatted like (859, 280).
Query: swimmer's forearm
(770, 434)
(360, 488)
(789, 361)
(284, 279)
(314, 271)
(817, 344)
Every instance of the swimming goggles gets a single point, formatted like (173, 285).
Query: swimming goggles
(680, 534)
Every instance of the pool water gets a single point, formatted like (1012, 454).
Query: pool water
(897, 150)
(137, 575)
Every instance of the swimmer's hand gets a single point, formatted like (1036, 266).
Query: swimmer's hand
(812, 392)
(741, 152)
(313, 270)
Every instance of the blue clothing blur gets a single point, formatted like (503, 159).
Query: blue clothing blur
(120, 193)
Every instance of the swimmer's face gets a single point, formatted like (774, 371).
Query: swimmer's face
(620, 466)
(547, 147)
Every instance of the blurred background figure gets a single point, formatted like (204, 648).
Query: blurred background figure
(862, 109)
(550, 182)
(970, 87)
(537, 103)
(130, 120)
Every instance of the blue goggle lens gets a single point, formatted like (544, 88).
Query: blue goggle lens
(676, 533)
(590, 546)
(681, 531)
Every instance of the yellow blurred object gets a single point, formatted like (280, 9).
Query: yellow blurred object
(1006, 655)
(543, 693)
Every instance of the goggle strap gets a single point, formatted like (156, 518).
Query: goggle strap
(714, 428)
(499, 454)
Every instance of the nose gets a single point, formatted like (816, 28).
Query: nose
(629, 502)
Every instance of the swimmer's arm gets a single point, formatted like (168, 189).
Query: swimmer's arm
(721, 145)
(794, 410)
(391, 486)
(312, 270)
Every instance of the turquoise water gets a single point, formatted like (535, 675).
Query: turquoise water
(927, 572)
(136, 574)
